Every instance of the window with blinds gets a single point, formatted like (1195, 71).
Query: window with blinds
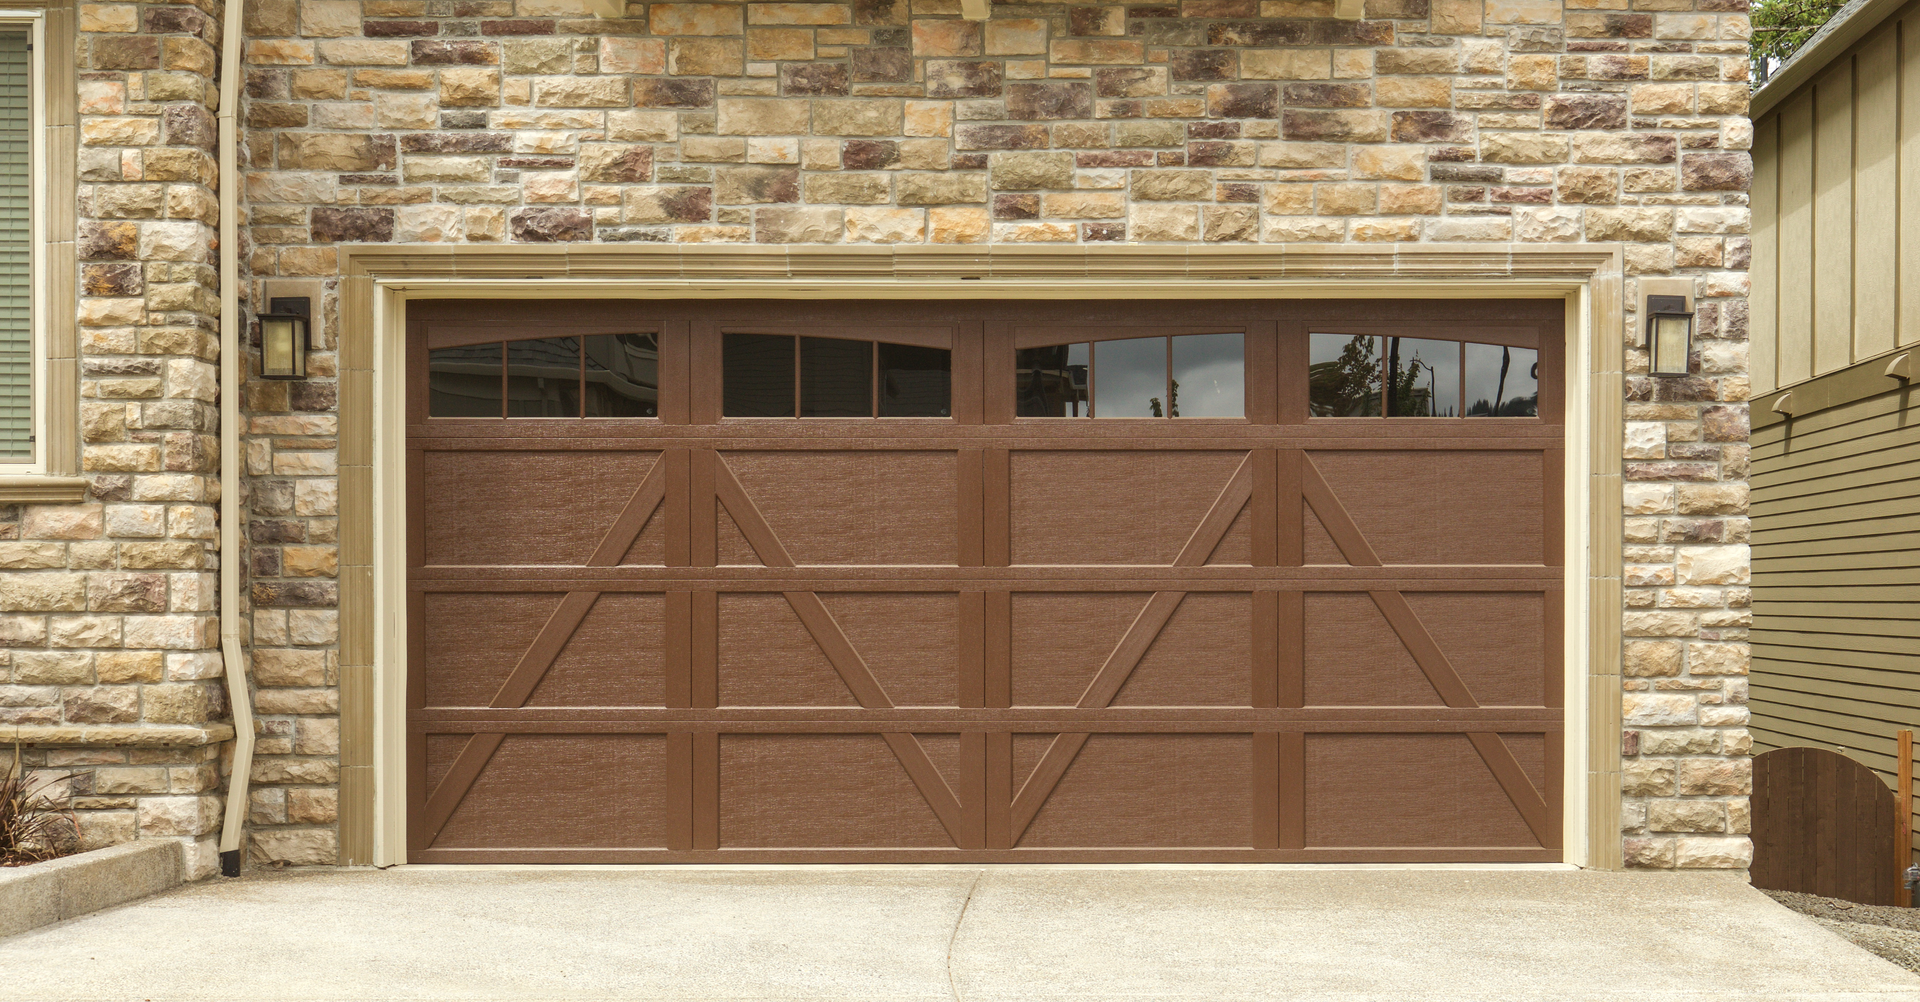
(16, 246)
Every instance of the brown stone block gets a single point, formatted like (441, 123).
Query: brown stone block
(518, 26)
(1096, 20)
(1338, 126)
(1608, 24)
(1352, 33)
(1586, 111)
(455, 52)
(399, 29)
(1049, 100)
(948, 78)
(869, 154)
(272, 115)
(351, 225)
(457, 142)
(673, 93)
(1329, 95)
(1001, 137)
(136, 52)
(271, 18)
(814, 79)
(1114, 158)
(1722, 170)
(703, 57)
(1016, 206)
(550, 225)
(1219, 8)
(1417, 61)
(947, 38)
(880, 11)
(889, 64)
(1259, 34)
(615, 163)
(1222, 154)
(1130, 81)
(1244, 100)
(335, 151)
(1201, 64)
(756, 184)
(662, 204)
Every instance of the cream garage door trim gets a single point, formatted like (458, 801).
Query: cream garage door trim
(378, 281)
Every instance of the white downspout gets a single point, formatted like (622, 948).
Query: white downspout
(232, 356)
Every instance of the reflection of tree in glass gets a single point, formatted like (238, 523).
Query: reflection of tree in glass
(1501, 405)
(1173, 395)
(1412, 385)
(1348, 386)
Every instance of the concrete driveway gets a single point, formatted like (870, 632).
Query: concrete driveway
(904, 934)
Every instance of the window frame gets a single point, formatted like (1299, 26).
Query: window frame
(38, 305)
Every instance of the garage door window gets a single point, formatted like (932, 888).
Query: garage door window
(1376, 376)
(596, 376)
(1185, 375)
(780, 375)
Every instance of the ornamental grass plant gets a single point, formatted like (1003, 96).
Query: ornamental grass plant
(36, 817)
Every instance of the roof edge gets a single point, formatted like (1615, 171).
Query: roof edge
(1847, 26)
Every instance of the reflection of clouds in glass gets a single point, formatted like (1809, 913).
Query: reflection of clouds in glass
(1128, 375)
(1210, 370)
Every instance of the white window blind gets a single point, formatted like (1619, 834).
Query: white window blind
(16, 246)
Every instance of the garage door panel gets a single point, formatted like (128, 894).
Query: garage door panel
(1061, 640)
(767, 657)
(616, 657)
(568, 791)
(1494, 640)
(523, 507)
(1412, 790)
(1353, 656)
(839, 791)
(752, 639)
(1441, 507)
(1112, 506)
(855, 507)
(472, 641)
(1175, 790)
(908, 640)
(1202, 657)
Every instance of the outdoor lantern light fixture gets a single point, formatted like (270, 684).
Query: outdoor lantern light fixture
(283, 339)
(1668, 306)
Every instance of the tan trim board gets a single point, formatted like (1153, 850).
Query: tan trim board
(377, 281)
(117, 735)
(42, 490)
(1859, 381)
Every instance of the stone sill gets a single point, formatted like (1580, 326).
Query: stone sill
(44, 893)
(98, 735)
(42, 489)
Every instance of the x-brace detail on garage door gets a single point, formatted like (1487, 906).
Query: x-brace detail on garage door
(707, 475)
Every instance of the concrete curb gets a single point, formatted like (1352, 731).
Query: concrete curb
(44, 893)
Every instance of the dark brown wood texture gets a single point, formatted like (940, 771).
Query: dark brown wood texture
(985, 638)
(1823, 824)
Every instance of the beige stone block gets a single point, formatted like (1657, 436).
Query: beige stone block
(1413, 92)
(361, 52)
(958, 225)
(312, 806)
(799, 13)
(1303, 230)
(633, 55)
(1083, 205)
(1286, 64)
(81, 521)
(925, 154)
(1288, 199)
(1409, 199)
(330, 18)
(1391, 163)
(784, 44)
(280, 52)
(1662, 99)
(1016, 36)
(1155, 223)
(858, 117)
(1302, 156)
(1523, 148)
(428, 169)
(795, 224)
(1644, 709)
(1727, 853)
(1651, 659)
(47, 667)
(1723, 99)
(928, 118)
(470, 87)
(1384, 230)
(705, 57)
(847, 188)
(1523, 11)
(119, 131)
(941, 189)
(1171, 185)
(714, 149)
(295, 846)
(762, 116)
(886, 226)
(406, 111)
(1647, 778)
(577, 92)
(536, 55)
(1346, 199)
(695, 19)
(1456, 17)
(643, 126)
(1021, 170)
(773, 151)
(1532, 72)
(947, 38)
(1034, 232)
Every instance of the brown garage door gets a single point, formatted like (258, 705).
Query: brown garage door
(970, 581)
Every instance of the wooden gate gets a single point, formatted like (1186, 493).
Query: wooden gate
(1823, 824)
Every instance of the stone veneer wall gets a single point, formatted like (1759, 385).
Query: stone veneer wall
(870, 122)
(107, 608)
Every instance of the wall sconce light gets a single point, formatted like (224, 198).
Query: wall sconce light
(283, 338)
(1668, 307)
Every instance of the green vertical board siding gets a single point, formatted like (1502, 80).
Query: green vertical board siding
(16, 247)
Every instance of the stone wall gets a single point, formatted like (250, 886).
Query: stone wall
(107, 608)
(869, 122)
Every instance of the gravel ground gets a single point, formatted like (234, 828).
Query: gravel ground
(1893, 933)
